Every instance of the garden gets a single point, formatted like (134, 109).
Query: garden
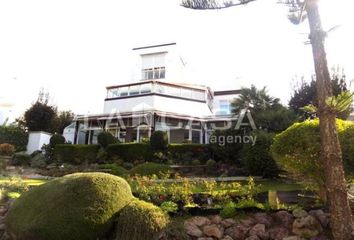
(179, 191)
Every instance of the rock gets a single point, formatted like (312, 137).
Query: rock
(259, 231)
(248, 222)
(284, 218)
(205, 238)
(321, 216)
(192, 229)
(263, 218)
(298, 213)
(213, 231)
(293, 238)
(216, 219)
(320, 237)
(200, 221)
(227, 238)
(228, 222)
(2, 227)
(3, 211)
(252, 238)
(278, 233)
(307, 227)
(237, 232)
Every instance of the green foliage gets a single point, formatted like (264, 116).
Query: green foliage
(105, 138)
(229, 210)
(297, 150)
(211, 163)
(140, 220)
(13, 185)
(77, 206)
(14, 135)
(149, 169)
(195, 162)
(61, 121)
(101, 155)
(129, 152)
(159, 141)
(340, 103)
(75, 154)
(169, 207)
(114, 169)
(21, 159)
(305, 94)
(7, 149)
(186, 153)
(56, 139)
(39, 117)
(257, 159)
(38, 161)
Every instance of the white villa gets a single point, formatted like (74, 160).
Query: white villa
(157, 99)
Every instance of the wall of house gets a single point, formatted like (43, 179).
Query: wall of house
(159, 103)
(36, 140)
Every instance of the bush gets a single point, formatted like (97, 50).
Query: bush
(21, 159)
(7, 149)
(101, 155)
(15, 136)
(169, 207)
(149, 169)
(229, 210)
(159, 141)
(211, 163)
(38, 161)
(56, 139)
(75, 154)
(129, 152)
(297, 150)
(196, 162)
(115, 169)
(105, 138)
(257, 159)
(186, 153)
(77, 206)
(140, 220)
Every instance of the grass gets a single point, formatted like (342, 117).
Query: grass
(28, 182)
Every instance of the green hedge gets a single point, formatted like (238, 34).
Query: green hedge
(186, 153)
(77, 206)
(114, 169)
(15, 136)
(21, 159)
(129, 152)
(149, 169)
(75, 153)
(140, 220)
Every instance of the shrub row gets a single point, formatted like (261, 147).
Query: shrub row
(75, 154)
(129, 152)
(186, 153)
(15, 136)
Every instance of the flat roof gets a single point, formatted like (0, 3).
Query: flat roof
(153, 46)
(226, 92)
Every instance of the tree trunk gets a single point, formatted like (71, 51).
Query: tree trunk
(331, 155)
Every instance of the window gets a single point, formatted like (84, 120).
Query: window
(153, 66)
(145, 88)
(123, 91)
(134, 90)
(198, 95)
(224, 107)
(174, 91)
(187, 93)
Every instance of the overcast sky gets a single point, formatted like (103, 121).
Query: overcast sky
(75, 48)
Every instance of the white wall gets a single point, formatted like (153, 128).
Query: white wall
(36, 140)
(160, 103)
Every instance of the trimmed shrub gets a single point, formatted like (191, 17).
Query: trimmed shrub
(56, 139)
(297, 150)
(257, 159)
(105, 138)
(129, 152)
(101, 155)
(21, 159)
(211, 163)
(14, 135)
(140, 220)
(38, 161)
(7, 149)
(186, 153)
(115, 169)
(159, 141)
(77, 206)
(148, 169)
(229, 210)
(75, 154)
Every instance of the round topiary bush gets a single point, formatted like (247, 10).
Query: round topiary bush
(159, 141)
(56, 139)
(148, 169)
(106, 138)
(76, 206)
(140, 220)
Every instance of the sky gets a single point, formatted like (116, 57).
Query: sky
(73, 49)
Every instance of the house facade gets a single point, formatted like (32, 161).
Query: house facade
(157, 99)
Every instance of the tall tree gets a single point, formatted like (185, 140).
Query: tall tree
(305, 94)
(62, 120)
(331, 156)
(267, 112)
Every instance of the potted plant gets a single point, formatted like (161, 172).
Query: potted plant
(6, 153)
